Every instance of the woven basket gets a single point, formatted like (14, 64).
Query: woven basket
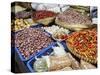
(46, 21)
(75, 27)
(71, 49)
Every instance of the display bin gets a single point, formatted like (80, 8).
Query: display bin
(19, 58)
(19, 54)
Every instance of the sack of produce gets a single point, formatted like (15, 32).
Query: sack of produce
(86, 65)
(51, 63)
(40, 65)
(74, 63)
(58, 62)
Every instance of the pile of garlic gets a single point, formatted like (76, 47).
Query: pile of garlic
(56, 29)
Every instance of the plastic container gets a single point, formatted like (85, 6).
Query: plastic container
(46, 52)
(41, 51)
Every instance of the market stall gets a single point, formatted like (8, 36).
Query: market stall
(53, 37)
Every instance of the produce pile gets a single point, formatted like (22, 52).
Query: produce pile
(60, 60)
(58, 33)
(20, 24)
(43, 14)
(31, 40)
(84, 44)
(61, 37)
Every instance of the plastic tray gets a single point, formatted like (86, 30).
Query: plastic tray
(46, 52)
(41, 51)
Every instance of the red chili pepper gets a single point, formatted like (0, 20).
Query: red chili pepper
(64, 37)
(76, 43)
(90, 45)
(43, 14)
(61, 37)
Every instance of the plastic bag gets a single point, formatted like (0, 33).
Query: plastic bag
(58, 62)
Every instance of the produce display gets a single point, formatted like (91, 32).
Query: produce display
(20, 24)
(53, 37)
(43, 16)
(72, 19)
(56, 63)
(84, 44)
(57, 32)
(31, 40)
